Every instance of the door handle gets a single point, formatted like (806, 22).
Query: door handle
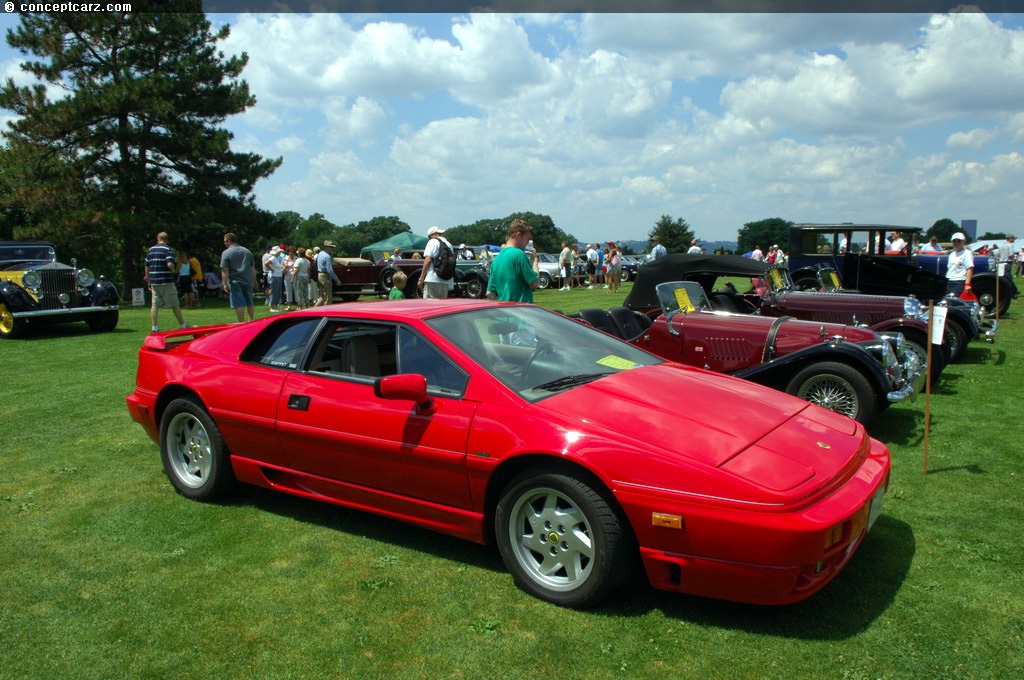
(299, 402)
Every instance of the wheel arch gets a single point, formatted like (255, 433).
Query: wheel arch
(776, 374)
(509, 468)
(168, 394)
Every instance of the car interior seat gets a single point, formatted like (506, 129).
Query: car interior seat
(599, 318)
(359, 356)
(630, 324)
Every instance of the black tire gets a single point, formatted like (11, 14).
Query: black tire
(104, 322)
(624, 276)
(838, 387)
(475, 288)
(956, 340)
(986, 292)
(386, 281)
(917, 343)
(412, 286)
(193, 452)
(545, 281)
(572, 565)
(10, 327)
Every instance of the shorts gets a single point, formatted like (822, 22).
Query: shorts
(591, 268)
(165, 295)
(241, 295)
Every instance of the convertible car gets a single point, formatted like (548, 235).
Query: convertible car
(580, 455)
(772, 293)
(847, 369)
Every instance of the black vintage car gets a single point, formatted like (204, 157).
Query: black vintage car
(35, 288)
(866, 260)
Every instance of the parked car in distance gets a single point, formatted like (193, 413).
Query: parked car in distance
(847, 369)
(578, 454)
(36, 288)
(772, 293)
(964, 319)
(859, 253)
(362, 277)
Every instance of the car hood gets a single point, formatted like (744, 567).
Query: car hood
(773, 442)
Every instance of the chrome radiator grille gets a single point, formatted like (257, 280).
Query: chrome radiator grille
(55, 282)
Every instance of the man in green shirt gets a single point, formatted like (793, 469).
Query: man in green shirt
(514, 275)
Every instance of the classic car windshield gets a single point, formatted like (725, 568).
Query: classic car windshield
(536, 352)
(685, 296)
(27, 253)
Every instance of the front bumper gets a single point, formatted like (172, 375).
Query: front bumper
(66, 311)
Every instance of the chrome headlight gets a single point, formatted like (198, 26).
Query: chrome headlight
(32, 279)
(896, 342)
(912, 307)
(84, 278)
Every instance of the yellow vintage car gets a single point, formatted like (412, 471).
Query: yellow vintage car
(35, 288)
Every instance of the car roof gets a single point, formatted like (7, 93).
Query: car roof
(677, 266)
(843, 226)
(395, 310)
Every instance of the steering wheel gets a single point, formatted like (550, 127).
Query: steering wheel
(543, 347)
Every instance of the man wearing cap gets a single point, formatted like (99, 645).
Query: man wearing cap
(276, 266)
(325, 274)
(514, 275)
(432, 285)
(960, 267)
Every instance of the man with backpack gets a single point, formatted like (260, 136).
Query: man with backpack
(437, 277)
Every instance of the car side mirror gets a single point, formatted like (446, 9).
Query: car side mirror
(404, 387)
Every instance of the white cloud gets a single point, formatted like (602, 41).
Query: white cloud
(971, 139)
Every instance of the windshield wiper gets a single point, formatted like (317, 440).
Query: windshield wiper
(568, 381)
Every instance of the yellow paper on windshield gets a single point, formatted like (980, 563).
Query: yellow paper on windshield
(834, 278)
(776, 277)
(612, 361)
(683, 300)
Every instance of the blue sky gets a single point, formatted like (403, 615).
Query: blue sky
(608, 121)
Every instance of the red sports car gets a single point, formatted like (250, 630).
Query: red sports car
(575, 452)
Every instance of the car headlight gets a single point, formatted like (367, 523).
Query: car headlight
(84, 278)
(912, 307)
(32, 279)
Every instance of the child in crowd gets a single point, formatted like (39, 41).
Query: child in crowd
(398, 286)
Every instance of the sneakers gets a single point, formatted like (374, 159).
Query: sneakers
(187, 325)
(156, 329)
(591, 287)
(565, 288)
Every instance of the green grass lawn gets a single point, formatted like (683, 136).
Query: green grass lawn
(106, 572)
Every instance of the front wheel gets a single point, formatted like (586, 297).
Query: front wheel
(194, 455)
(475, 288)
(545, 281)
(9, 326)
(838, 388)
(104, 322)
(561, 539)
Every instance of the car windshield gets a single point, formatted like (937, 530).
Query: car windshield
(536, 352)
(684, 296)
(27, 253)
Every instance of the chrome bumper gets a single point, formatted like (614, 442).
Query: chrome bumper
(64, 311)
(990, 334)
(902, 394)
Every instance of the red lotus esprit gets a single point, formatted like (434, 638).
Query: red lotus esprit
(575, 452)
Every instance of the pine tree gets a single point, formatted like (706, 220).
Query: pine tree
(134, 146)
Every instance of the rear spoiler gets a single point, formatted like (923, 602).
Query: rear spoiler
(161, 342)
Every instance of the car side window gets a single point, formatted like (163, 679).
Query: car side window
(281, 345)
(416, 355)
(354, 350)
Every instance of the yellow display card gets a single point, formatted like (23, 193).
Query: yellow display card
(776, 277)
(612, 361)
(683, 300)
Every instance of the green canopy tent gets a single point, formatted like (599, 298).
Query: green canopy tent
(404, 241)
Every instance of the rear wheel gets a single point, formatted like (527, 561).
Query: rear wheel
(986, 292)
(194, 455)
(838, 388)
(9, 326)
(562, 539)
(957, 339)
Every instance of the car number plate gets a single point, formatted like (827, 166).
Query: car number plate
(876, 506)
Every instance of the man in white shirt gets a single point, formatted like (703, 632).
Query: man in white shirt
(432, 285)
(658, 250)
(757, 255)
(694, 248)
(898, 244)
(565, 262)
